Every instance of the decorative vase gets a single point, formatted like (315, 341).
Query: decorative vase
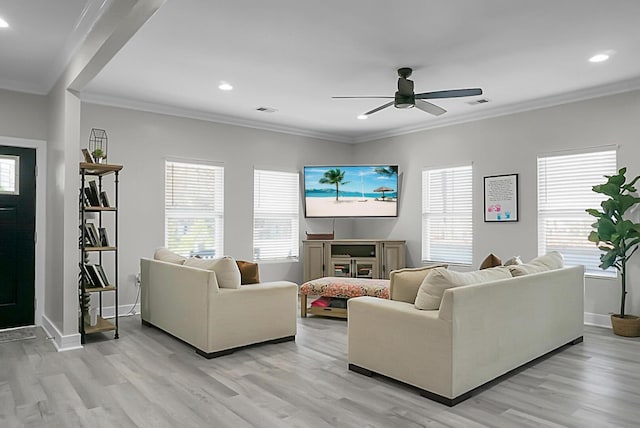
(629, 326)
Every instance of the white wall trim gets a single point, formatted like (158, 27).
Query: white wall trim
(61, 342)
(41, 212)
(597, 320)
(123, 310)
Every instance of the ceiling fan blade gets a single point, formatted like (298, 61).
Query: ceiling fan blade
(430, 108)
(372, 96)
(370, 112)
(451, 93)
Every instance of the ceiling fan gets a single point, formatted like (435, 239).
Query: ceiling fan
(406, 98)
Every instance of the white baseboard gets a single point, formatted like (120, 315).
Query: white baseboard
(597, 320)
(60, 341)
(123, 310)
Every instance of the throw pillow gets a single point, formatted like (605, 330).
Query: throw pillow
(226, 269)
(248, 272)
(549, 261)
(515, 260)
(438, 280)
(169, 256)
(491, 261)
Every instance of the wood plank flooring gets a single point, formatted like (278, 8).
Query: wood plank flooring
(148, 379)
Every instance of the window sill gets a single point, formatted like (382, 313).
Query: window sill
(274, 261)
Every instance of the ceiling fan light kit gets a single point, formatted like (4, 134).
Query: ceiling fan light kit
(405, 97)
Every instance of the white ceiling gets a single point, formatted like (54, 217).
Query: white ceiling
(294, 55)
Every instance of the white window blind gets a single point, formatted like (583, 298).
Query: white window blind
(447, 232)
(564, 193)
(194, 211)
(276, 201)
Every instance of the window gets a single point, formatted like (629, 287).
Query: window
(9, 175)
(275, 215)
(194, 212)
(564, 193)
(446, 215)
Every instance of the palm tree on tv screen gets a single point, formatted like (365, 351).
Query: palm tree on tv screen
(336, 177)
(388, 171)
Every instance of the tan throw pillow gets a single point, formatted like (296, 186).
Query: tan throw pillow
(439, 279)
(165, 255)
(226, 269)
(404, 283)
(491, 261)
(515, 260)
(248, 272)
(550, 261)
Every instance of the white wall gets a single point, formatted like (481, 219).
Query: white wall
(503, 145)
(23, 115)
(142, 141)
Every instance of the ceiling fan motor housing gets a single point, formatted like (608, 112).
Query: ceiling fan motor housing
(404, 101)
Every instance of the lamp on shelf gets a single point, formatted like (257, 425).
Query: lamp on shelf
(98, 145)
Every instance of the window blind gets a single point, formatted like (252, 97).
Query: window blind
(564, 193)
(447, 232)
(194, 211)
(275, 215)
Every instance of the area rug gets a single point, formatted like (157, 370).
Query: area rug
(22, 333)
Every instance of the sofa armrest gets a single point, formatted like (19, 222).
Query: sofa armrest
(404, 283)
(174, 298)
(397, 340)
(252, 313)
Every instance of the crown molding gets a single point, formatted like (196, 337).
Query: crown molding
(211, 117)
(441, 122)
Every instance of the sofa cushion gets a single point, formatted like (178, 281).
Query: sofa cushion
(226, 269)
(491, 261)
(166, 255)
(405, 282)
(249, 273)
(439, 279)
(549, 261)
(515, 260)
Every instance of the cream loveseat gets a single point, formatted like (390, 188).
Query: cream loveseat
(479, 333)
(188, 303)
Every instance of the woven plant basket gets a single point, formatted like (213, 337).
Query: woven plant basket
(629, 326)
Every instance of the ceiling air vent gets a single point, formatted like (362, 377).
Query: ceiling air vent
(266, 109)
(476, 102)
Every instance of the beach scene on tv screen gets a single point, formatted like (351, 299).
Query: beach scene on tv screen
(351, 191)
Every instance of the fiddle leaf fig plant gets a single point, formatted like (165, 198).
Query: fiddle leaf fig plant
(615, 236)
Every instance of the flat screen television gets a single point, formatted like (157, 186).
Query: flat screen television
(351, 191)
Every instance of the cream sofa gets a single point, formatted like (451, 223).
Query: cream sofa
(479, 333)
(187, 303)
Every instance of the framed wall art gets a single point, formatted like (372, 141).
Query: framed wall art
(501, 198)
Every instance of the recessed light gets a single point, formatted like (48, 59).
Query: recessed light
(3, 23)
(363, 117)
(601, 57)
(224, 86)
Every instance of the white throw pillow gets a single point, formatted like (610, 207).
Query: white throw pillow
(226, 269)
(169, 256)
(515, 260)
(439, 279)
(550, 261)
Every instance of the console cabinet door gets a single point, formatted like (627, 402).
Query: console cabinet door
(393, 258)
(314, 260)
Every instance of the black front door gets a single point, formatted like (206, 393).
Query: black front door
(17, 236)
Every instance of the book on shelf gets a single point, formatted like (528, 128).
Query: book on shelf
(93, 238)
(102, 274)
(91, 276)
(95, 195)
(104, 199)
(104, 239)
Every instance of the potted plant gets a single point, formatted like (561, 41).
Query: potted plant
(99, 155)
(618, 238)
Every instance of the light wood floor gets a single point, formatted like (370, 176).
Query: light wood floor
(148, 379)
